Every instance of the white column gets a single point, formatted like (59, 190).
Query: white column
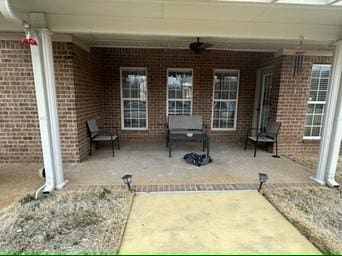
(331, 134)
(43, 115)
(50, 84)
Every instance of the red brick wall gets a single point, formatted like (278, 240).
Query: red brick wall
(88, 86)
(19, 129)
(157, 61)
(88, 81)
(19, 133)
(66, 100)
(292, 104)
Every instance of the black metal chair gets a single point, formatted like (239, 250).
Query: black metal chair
(98, 136)
(265, 136)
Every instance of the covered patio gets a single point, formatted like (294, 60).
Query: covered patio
(87, 51)
(150, 165)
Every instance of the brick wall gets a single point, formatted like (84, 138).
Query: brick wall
(19, 133)
(88, 82)
(157, 61)
(88, 86)
(292, 104)
(19, 128)
(66, 100)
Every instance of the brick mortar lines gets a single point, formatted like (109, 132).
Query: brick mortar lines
(183, 187)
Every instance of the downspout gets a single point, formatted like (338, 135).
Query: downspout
(39, 80)
(8, 13)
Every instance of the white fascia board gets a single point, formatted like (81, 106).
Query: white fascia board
(332, 2)
(72, 39)
(327, 53)
(55, 38)
(192, 28)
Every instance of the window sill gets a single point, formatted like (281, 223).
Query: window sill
(223, 130)
(308, 139)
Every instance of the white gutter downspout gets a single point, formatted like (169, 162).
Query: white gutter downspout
(332, 128)
(50, 81)
(46, 100)
(43, 113)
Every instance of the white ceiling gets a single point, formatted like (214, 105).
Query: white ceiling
(227, 24)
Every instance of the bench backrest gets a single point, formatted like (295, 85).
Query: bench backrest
(92, 127)
(185, 122)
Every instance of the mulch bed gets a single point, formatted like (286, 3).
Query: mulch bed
(66, 222)
(315, 211)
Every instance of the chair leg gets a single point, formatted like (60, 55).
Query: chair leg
(113, 147)
(207, 142)
(118, 143)
(204, 144)
(169, 144)
(255, 148)
(90, 147)
(276, 154)
(246, 142)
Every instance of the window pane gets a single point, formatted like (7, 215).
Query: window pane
(134, 92)
(317, 120)
(316, 131)
(179, 84)
(307, 131)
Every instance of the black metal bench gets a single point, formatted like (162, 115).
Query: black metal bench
(186, 128)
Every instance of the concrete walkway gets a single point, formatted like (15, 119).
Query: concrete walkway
(214, 222)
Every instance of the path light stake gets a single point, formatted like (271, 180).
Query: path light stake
(263, 177)
(127, 179)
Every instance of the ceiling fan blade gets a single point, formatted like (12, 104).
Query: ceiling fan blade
(205, 46)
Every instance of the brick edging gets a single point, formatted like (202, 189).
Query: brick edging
(181, 187)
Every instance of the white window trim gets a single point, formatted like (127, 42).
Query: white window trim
(236, 101)
(316, 102)
(311, 137)
(167, 88)
(121, 98)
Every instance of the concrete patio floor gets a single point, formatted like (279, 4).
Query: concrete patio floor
(150, 164)
(209, 222)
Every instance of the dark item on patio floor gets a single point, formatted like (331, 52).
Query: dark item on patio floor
(197, 159)
(186, 128)
(267, 135)
(97, 136)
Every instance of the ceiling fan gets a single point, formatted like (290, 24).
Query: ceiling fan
(199, 47)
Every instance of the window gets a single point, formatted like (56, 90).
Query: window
(317, 98)
(225, 95)
(134, 98)
(179, 92)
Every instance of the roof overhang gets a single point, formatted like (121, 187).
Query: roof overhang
(259, 24)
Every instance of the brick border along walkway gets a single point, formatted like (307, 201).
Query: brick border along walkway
(182, 187)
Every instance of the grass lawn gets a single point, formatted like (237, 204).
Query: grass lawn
(66, 222)
(315, 211)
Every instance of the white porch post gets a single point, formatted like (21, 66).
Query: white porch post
(43, 114)
(50, 84)
(332, 128)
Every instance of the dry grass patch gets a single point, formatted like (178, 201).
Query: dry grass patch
(315, 211)
(66, 222)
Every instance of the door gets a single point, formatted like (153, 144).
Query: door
(265, 100)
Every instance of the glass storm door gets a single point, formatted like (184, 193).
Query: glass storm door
(265, 100)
